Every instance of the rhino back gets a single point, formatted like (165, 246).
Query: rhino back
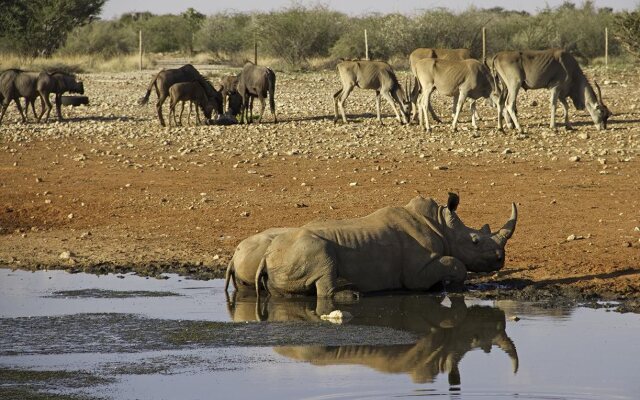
(373, 251)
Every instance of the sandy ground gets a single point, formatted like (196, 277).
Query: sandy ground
(109, 189)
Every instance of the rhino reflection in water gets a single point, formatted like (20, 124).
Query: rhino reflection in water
(446, 333)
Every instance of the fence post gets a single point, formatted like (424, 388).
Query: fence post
(606, 47)
(366, 45)
(484, 44)
(140, 49)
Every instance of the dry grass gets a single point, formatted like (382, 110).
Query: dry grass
(78, 63)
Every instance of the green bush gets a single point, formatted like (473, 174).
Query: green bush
(225, 33)
(106, 38)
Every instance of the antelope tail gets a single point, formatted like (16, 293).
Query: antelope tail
(272, 91)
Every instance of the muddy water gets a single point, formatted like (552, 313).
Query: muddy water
(126, 337)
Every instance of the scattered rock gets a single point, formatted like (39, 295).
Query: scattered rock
(352, 184)
(245, 214)
(574, 158)
(626, 244)
(571, 237)
(65, 255)
(301, 205)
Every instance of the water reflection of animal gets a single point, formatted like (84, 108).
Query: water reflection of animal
(446, 333)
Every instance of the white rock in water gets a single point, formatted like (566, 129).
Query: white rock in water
(336, 316)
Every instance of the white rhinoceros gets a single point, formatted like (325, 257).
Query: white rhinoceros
(411, 247)
(242, 268)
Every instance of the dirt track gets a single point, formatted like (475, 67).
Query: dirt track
(117, 191)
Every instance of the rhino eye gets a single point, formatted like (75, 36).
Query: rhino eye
(475, 239)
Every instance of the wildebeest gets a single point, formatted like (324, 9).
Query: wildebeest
(412, 247)
(256, 81)
(9, 92)
(443, 54)
(167, 77)
(374, 75)
(553, 69)
(57, 83)
(461, 79)
(193, 92)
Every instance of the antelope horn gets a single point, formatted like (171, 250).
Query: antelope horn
(506, 344)
(507, 230)
(599, 91)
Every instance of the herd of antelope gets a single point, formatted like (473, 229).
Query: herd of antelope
(452, 72)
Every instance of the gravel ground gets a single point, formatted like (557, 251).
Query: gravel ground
(109, 189)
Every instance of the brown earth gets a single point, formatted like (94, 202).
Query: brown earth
(119, 192)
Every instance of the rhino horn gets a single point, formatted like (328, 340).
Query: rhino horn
(506, 344)
(507, 230)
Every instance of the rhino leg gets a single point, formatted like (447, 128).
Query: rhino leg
(445, 269)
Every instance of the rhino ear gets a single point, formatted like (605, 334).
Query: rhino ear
(485, 229)
(453, 201)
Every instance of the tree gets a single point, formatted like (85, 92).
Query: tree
(627, 31)
(194, 21)
(39, 27)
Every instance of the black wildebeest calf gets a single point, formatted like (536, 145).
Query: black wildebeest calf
(192, 92)
(167, 77)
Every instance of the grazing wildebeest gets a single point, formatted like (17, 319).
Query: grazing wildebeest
(412, 247)
(256, 81)
(9, 92)
(57, 83)
(461, 79)
(553, 69)
(193, 92)
(167, 77)
(443, 54)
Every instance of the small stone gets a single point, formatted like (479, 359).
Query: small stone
(85, 235)
(352, 184)
(301, 205)
(245, 214)
(571, 237)
(636, 229)
(65, 255)
(583, 136)
(507, 151)
(47, 201)
(38, 180)
(216, 257)
(441, 168)
(515, 318)
(70, 216)
(574, 158)
(626, 244)
(602, 161)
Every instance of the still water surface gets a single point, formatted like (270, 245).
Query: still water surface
(183, 339)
